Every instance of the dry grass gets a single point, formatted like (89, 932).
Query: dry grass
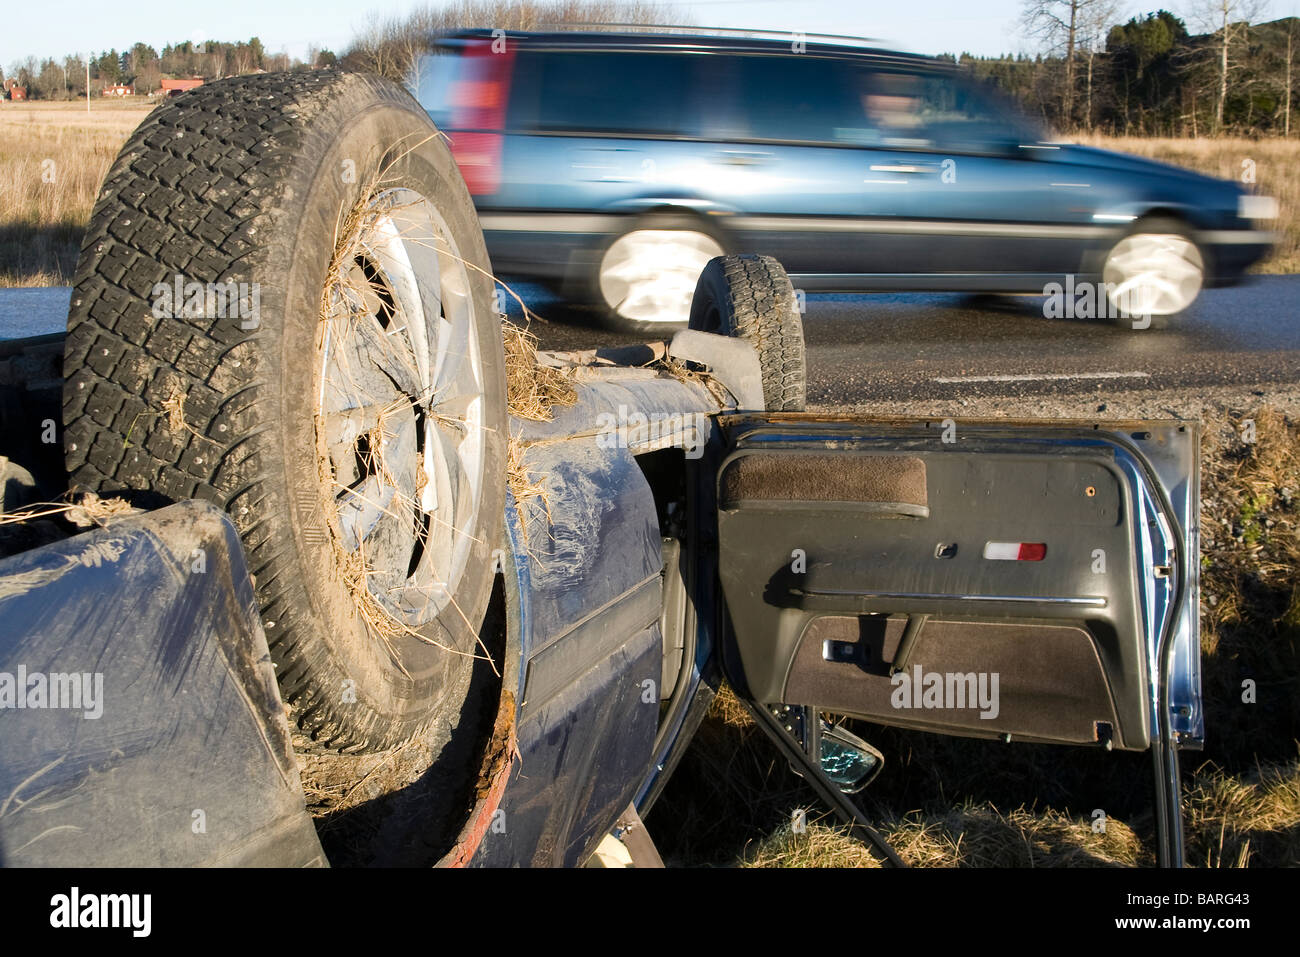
(1250, 579)
(1251, 820)
(1275, 162)
(532, 390)
(965, 836)
(53, 158)
(82, 509)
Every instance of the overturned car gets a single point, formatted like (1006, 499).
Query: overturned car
(331, 515)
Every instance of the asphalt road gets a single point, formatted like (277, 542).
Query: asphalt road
(906, 347)
(900, 347)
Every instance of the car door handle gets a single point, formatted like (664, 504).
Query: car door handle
(743, 157)
(891, 168)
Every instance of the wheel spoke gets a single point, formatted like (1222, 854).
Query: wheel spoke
(449, 499)
(411, 272)
(401, 408)
(361, 508)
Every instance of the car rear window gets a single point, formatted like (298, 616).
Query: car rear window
(603, 93)
(431, 79)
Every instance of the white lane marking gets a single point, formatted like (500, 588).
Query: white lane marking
(1047, 377)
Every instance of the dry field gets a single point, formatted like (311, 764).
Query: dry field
(54, 155)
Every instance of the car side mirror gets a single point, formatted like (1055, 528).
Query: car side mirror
(849, 762)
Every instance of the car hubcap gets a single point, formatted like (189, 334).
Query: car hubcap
(649, 275)
(1153, 274)
(399, 414)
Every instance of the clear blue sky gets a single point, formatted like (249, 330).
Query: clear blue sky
(45, 28)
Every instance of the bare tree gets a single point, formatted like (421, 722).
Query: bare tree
(1229, 21)
(1055, 24)
(391, 46)
(1064, 28)
(1094, 21)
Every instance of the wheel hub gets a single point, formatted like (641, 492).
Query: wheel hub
(649, 275)
(1153, 274)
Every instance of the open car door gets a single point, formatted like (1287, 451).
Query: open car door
(1028, 580)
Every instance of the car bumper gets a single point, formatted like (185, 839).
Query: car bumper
(1232, 251)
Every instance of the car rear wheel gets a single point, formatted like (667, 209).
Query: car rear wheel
(352, 421)
(1155, 271)
(750, 297)
(647, 276)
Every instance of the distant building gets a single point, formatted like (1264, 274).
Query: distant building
(118, 89)
(13, 91)
(178, 86)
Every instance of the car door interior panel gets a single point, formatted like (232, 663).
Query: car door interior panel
(974, 579)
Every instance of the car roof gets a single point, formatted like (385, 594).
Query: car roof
(684, 41)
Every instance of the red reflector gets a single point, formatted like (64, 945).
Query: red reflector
(1015, 551)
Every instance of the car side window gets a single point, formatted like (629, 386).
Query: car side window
(804, 99)
(893, 106)
(957, 115)
(602, 93)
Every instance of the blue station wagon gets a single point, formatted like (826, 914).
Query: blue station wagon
(615, 165)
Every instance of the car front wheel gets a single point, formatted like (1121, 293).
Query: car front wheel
(1157, 270)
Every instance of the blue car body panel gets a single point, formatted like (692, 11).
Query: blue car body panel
(188, 761)
(588, 576)
(587, 565)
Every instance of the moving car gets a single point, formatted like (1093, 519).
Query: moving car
(336, 521)
(615, 165)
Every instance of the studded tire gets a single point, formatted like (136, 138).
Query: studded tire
(750, 297)
(249, 181)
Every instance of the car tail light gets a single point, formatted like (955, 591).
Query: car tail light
(1015, 551)
(478, 99)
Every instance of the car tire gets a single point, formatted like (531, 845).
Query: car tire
(751, 297)
(1155, 271)
(645, 277)
(350, 409)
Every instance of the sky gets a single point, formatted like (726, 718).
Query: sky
(44, 28)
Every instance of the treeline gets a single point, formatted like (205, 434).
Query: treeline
(389, 46)
(143, 67)
(1153, 77)
(1148, 76)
